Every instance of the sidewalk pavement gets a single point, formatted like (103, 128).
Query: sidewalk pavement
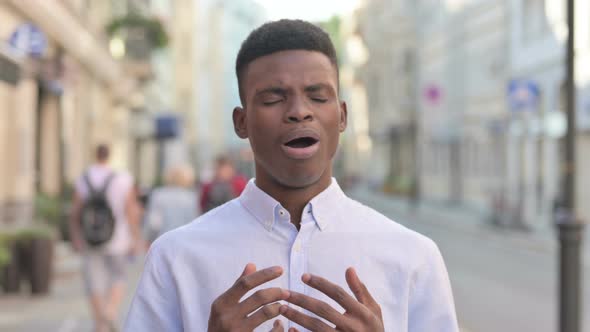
(463, 219)
(20, 310)
(65, 308)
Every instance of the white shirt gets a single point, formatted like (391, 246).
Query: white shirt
(169, 208)
(116, 194)
(188, 268)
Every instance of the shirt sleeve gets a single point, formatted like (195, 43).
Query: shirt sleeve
(155, 306)
(431, 306)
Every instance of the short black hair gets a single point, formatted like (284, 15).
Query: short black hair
(283, 35)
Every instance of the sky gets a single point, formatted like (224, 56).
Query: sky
(311, 10)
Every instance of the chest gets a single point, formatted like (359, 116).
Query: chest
(215, 271)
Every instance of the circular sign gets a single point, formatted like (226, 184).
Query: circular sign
(28, 39)
(433, 94)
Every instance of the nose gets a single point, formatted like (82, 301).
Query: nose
(299, 111)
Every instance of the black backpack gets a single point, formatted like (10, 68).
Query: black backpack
(97, 218)
(220, 193)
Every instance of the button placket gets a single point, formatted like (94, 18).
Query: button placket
(297, 267)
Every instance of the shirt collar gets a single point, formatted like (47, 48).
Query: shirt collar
(325, 205)
(264, 207)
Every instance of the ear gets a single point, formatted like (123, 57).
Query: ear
(239, 116)
(343, 116)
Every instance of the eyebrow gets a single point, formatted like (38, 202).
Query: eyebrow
(318, 87)
(273, 90)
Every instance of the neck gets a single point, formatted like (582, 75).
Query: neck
(294, 199)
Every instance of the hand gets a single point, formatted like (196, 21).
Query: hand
(277, 326)
(362, 314)
(229, 314)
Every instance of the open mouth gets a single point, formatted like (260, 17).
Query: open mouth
(301, 142)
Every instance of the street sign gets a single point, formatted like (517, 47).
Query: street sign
(523, 95)
(29, 40)
(167, 126)
(433, 94)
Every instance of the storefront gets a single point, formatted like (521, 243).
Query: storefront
(18, 101)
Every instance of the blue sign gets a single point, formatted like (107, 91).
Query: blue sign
(523, 95)
(28, 39)
(167, 126)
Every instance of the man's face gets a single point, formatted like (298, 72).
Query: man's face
(292, 116)
(225, 172)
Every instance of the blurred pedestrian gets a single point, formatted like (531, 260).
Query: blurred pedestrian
(226, 185)
(104, 228)
(293, 218)
(172, 205)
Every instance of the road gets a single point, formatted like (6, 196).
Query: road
(502, 281)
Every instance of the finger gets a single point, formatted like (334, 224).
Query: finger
(265, 313)
(310, 323)
(277, 326)
(260, 298)
(318, 307)
(333, 291)
(249, 281)
(361, 292)
(248, 269)
(293, 330)
(358, 288)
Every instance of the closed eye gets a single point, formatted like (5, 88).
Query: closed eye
(272, 102)
(319, 100)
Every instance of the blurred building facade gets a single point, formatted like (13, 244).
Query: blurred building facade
(537, 45)
(392, 103)
(462, 59)
(485, 89)
(355, 144)
(224, 25)
(59, 103)
(168, 91)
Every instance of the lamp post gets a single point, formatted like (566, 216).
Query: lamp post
(570, 228)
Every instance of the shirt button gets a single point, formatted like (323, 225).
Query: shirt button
(297, 246)
(282, 212)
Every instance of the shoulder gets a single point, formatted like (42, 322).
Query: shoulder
(419, 252)
(367, 219)
(123, 176)
(88, 173)
(122, 181)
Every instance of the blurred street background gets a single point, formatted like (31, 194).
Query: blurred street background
(456, 129)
